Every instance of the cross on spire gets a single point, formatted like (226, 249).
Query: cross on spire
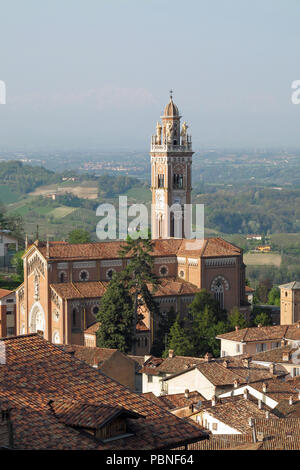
(171, 93)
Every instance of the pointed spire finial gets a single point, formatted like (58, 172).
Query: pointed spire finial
(26, 241)
(171, 94)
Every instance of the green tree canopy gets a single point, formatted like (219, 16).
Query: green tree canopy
(79, 236)
(236, 318)
(262, 319)
(274, 297)
(139, 271)
(179, 340)
(116, 316)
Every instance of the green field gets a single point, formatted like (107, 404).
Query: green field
(140, 195)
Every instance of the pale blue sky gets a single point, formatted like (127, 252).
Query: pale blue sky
(96, 73)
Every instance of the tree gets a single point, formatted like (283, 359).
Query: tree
(116, 315)
(262, 319)
(263, 290)
(274, 297)
(79, 236)
(140, 272)
(165, 323)
(236, 318)
(17, 262)
(204, 299)
(178, 340)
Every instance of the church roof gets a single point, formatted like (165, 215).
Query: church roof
(171, 109)
(161, 247)
(96, 289)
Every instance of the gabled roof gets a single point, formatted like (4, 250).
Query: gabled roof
(211, 247)
(4, 293)
(276, 355)
(263, 333)
(95, 289)
(86, 415)
(236, 411)
(295, 285)
(91, 355)
(177, 400)
(37, 371)
(169, 365)
(220, 375)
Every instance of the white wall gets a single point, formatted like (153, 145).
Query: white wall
(230, 348)
(207, 421)
(255, 393)
(191, 380)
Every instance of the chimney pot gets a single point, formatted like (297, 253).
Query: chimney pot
(260, 436)
(264, 387)
(246, 362)
(272, 368)
(187, 393)
(291, 400)
(225, 364)
(259, 325)
(251, 422)
(237, 328)
(259, 404)
(171, 352)
(246, 394)
(236, 383)
(208, 357)
(213, 401)
(282, 343)
(267, 414)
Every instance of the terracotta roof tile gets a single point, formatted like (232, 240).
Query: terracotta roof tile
(5, 292)
(37, 371)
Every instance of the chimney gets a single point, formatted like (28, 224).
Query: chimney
(264, 387)
(251, 422)
(246, 394)
(225, 364)
(213, 401)
(237, 328)
(47, 249)
(291, 400)
(259, 325)
(272, 368)
(171, 353)
(246, 362)
(235, 383)
(282, 342)
(187, 393)
(286, 356)
(260, 436)
(208, 357)
(267, 414)
(259, 402)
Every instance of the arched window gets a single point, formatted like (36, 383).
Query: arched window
(219, 293)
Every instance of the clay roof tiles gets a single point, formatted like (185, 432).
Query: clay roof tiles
(37, 371)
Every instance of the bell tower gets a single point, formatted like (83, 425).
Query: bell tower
(171, 171)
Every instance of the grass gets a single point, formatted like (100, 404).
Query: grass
(61, 212)
(141, 195)
(262, 259)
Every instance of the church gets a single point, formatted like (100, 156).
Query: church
(64, 283)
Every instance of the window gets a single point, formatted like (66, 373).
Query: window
(109, 273)
(296, 371)
(95, 310)
(74, 317)
(163, 271)
(83, 275)
(161, 181)
(181, 273)
(237, 348)
(261, 347)
(178, 181)
(275, 345)
(62, 277)
(10, 331)
(214, 426)
(9, 301)
(146, 342)
(150, 379)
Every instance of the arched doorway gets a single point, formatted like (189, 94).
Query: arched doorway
(37, 319)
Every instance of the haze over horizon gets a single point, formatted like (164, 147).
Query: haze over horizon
(98, 73)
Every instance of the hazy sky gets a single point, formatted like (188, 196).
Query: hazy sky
(97, 73)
